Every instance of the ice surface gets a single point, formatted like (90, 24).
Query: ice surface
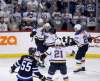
(92, 72)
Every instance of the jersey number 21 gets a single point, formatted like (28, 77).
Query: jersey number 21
(58, 54)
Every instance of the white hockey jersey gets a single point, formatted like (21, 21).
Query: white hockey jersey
(81, 38)
(39, 33)
(57, 54)
(50, 39)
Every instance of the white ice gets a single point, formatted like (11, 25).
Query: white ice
(92, 72)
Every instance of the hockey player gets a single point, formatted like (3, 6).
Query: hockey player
(27, 66)
(57, 58)
(81, 39)
(39, 36)
(50, 35)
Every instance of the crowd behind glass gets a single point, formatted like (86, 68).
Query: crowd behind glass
(20, 15)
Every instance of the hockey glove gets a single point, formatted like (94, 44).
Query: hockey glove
(43, 78)
(90, 39)
(32, 34)
(12, 69)
(42, 57)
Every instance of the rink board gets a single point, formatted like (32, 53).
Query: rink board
(68, 56)
(16, 44)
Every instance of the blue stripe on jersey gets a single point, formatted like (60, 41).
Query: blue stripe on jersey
(49, 78)
(34, 69)
(23, 78)
(17, 64)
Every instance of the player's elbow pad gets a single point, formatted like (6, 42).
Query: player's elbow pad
(33, 33)
(90, 39)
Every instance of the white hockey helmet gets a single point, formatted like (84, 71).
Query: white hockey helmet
(40, 21)
(58, 42)
(47, 25)
(77, 27)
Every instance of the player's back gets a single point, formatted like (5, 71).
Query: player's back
(27, 64)
(57, 54)
(81, 38)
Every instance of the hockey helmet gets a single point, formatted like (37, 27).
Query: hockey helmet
(47, 25)
(40, 22)
(32, 50)
(77, 27)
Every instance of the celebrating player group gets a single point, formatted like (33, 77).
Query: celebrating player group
(48, 44)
